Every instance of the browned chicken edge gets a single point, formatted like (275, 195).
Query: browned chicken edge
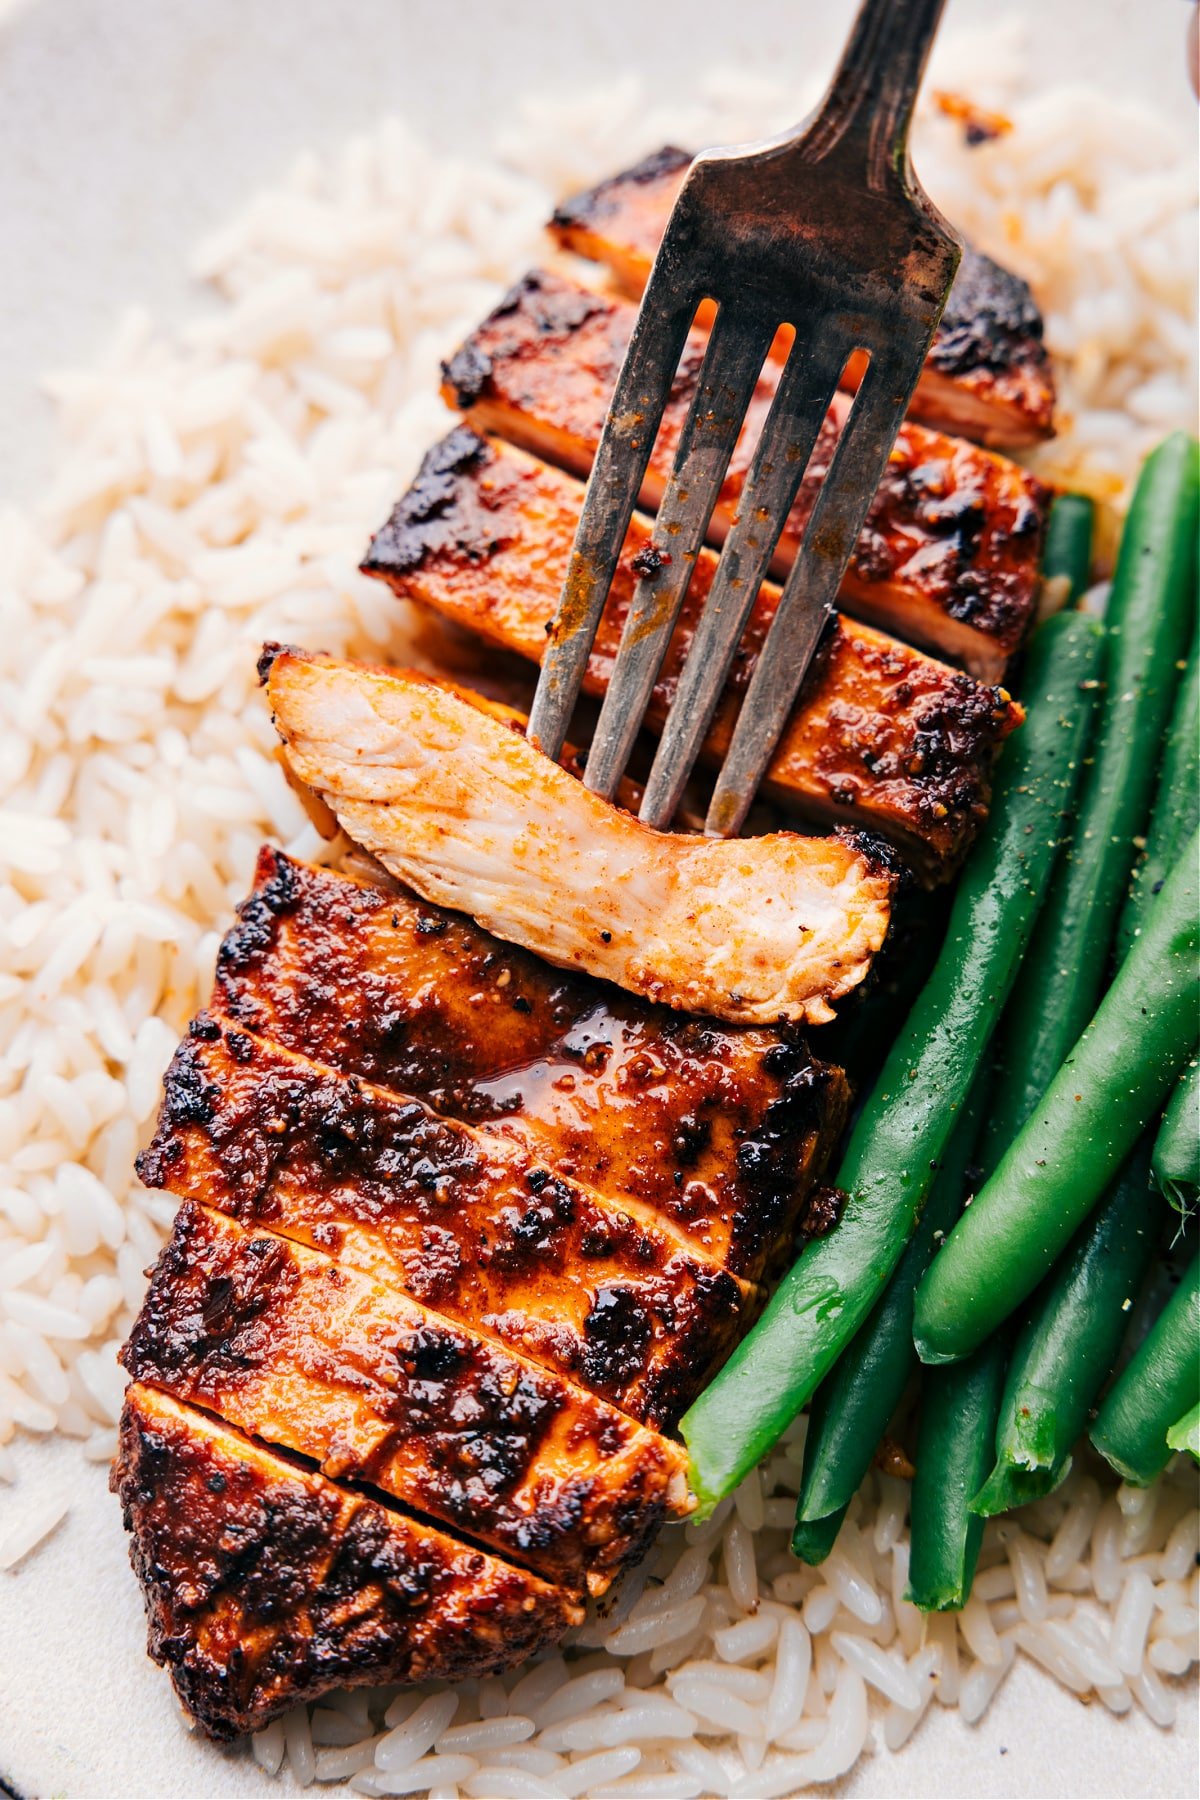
(949, 552)
(463, 1221)
(881, 736)
(987, 375)
(315, 1357)
(266, 1584)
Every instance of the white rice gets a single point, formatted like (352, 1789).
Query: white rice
(29, 1528)
(216, 488)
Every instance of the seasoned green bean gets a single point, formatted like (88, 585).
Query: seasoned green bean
(1068, 1342)
(904, 1127)
(1157, 1387)
(852, 1406)
(1067, 550)
(1148, 625)
(1176, 1157)
(954, 1453)
(1176, 810)
(1111, 1087)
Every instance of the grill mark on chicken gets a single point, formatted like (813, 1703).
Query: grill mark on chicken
(315, 1357)
(266, 1584)
(949, 552)
(753, 930)
(987, 374)
(466, 1224)
(881, 736)
(720, 1131)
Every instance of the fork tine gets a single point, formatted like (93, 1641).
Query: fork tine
(788, 436)
(733, 360)
(808, 595)
(634, 414)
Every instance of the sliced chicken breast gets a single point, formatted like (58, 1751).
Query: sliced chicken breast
(463, 1221)
(752, 930)
(948, 555)
(314, 1357)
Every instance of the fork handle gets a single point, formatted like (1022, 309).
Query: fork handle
(868, 106)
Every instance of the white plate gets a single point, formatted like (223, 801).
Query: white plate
(127, 128)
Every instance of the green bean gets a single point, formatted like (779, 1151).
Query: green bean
(1068, 1343)
(859, 1038)
(1176, 1158)
(903, 1129)
(1157, 1387)
(1067, 550)
(1185, 1433)
(945, 1531)
(954, 1451)
(813, 1539)
(852, 1406)
(1072, 1330)
(1147, 626)
(1108, 1091)
(1176, 811)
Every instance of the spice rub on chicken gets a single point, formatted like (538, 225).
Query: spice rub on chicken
(464, 1222)
(267, 1584)
(881, 737)
(752, 930)
(362, 1275)
(282, 1324)
(312, 1356)
(718, 1132)
(949, 552)
(987, 375)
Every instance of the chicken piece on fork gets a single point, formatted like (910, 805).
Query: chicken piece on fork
(825, 232)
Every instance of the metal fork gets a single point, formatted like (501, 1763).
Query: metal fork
(827, 230)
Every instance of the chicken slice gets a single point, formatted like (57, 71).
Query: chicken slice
(752, 930)
(465, 1223)
(720, 1130)
(949, 552)
(267, 1584)
(881, 737)
(987, 374)
(314, 1357)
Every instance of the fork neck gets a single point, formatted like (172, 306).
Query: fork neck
(868, 107)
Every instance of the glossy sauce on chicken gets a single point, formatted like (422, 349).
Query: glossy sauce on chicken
(716, 1131)
(461, 1220)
